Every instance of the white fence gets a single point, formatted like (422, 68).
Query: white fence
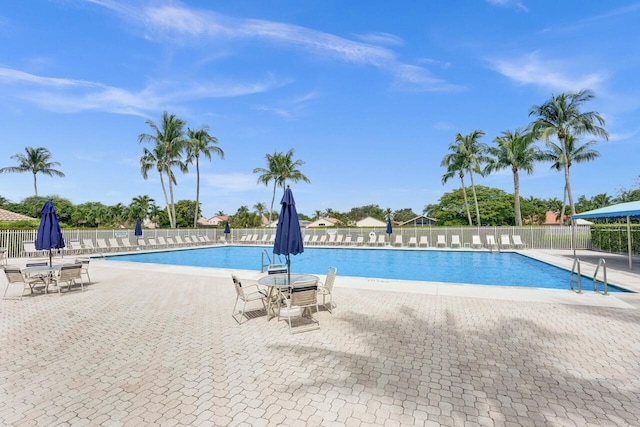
(542, 237)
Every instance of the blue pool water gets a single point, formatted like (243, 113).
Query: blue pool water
(480, 268)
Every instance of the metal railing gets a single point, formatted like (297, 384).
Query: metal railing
(603, 263)
(575, 271)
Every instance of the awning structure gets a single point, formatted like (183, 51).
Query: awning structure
(626, 210)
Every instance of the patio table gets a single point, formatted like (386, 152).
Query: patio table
(46, 278)
(276, 284)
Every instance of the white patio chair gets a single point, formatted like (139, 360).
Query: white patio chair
(303, 297)
(381, 240)
(15, 275)
(455, 241)
(413, 242)
(441, 243)
(491, 242)
(84, 262)
(246, 294)
(476, 243)
(398, 241)
(424, 241)
(326, 288)
(517, 242)
(69, 274)
(505, 242)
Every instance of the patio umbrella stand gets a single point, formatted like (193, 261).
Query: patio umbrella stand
(49, 235)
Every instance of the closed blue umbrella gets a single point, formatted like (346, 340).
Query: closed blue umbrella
(288, 234)
(49, 235)
(389, 228)
(227, 229)
(138, 230)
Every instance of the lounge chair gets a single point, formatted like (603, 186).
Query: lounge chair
(114, 245)
(72, 246)
(84, 262)
(15, 276)
(162, 243)
(272, 239)
(179, 241)
(102, 244)
(314, 240)
(3, 256)
(398, 241)
(505, 242)
(246, 294)
(424, 242)
(265, 238)
(126, 244)
(170, 241)
(381, 240)
(455, 241)
(142, 243)
(326, 288)
(339, 239)
(88, 245)
(323, 239)
(307, 238)
(187, 240)
(153, 243)
(441, 243)
(476, 243)
(413, 241)
(29, 247)
(360, 241)
(347, 240)
(304, 296)
(517, 242)
(69, 274)
(491, 242)
(243, 239)
(332, 239)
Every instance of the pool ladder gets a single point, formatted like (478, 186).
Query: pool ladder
(576, 276)
(264, 255)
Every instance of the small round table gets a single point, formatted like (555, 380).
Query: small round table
(277, 282)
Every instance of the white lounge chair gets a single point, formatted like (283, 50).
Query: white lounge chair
(412, 242)
(332, 239)
(307, 238)
(491, 242)
(455, 241)
(314, 239)
(339, 239)
(441, 243)
(424, 241)
(102, 244)
(347, 240)
(398, 241)
(381, 240)
(114, 245)
(505, 242)
(323, 239)
(88, 245)
(170, 241)
(517, 242)
(360, 241)
(265, 239)
(476, 243)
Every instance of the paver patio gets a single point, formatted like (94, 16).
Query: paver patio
(145, 346)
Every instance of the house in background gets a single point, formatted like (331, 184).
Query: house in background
(419, 221)
(325, 222)
(8, 216)
(216, 220)
(370, 222)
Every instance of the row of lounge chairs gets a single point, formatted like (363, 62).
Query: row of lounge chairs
(114, 244)
(253, 238)
(506, 241)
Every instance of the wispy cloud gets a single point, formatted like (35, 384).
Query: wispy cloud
(553, 74)
(69, 95)
(289, 108)
(171, 22)
(515, 4)
(235, 182)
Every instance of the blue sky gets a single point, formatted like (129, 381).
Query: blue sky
(368, 94)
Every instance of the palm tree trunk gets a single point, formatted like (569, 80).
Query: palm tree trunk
(195, 215)
(172, 217)
(35, 184)
(564, 202)
(568, 187)
(516, 201)
(466, 202)
(273, 199)
(475, 198)
(166, 200)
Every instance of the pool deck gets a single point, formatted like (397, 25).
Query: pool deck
(156, 345)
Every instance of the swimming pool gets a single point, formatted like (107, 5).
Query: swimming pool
(469, 267)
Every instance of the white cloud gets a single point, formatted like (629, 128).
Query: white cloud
(235, 182)
(516, 4)
(176, 23)
(68, 95)
(554, 74)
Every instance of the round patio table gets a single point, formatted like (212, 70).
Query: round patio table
(276, 283)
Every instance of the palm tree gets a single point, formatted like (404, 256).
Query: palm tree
(200, 142)
(473, 153)
(280, 168)
(562, 157)
(36, 161)
(517, 151)
(454, 163)
(151, 159)
(169, 143)
(561, 116)
(140, 207)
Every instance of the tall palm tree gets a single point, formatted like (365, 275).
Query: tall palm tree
(37, 160)
(280, 168)
(199, 142)
(140, 207)
(170, 142)
(152, 159)
(474, 156)
(562, 157)
(454, 163)
(561, 116)
(517, 151)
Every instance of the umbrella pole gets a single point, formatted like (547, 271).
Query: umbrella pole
(50, 258)
(288, 269)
